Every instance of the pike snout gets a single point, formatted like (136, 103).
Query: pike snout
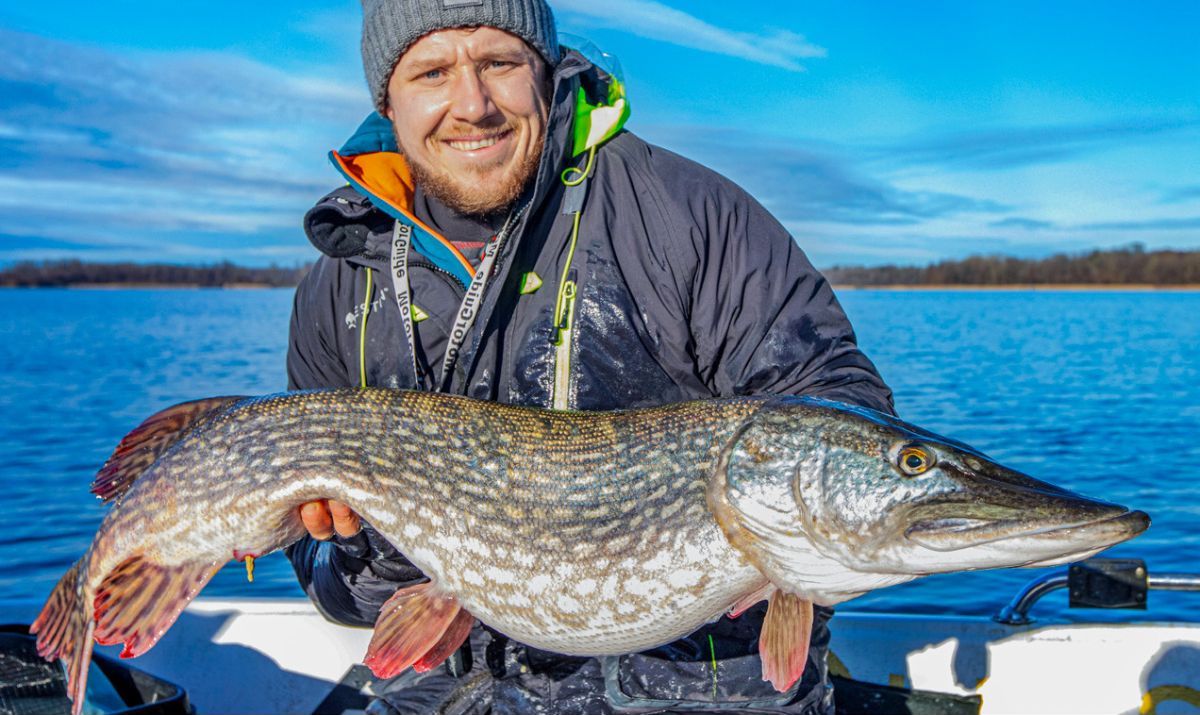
(998, 516)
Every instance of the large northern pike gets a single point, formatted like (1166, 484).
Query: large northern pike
(580, 533)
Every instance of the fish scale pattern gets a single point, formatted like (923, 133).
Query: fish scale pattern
(571, 531)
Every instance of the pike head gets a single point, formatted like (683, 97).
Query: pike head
(831, 501)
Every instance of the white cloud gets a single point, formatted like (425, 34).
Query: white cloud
(170, 152)
(656, 21)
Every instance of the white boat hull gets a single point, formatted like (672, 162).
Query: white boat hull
(280, 656)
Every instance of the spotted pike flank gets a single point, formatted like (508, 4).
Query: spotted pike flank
(580, 533)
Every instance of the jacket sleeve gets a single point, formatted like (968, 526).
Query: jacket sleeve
(348, 579)
(763, 319)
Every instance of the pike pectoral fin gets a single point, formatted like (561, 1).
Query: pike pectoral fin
(783, 643)
(414, 627)
(139, 600)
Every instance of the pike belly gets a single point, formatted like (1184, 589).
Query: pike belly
(638, 591)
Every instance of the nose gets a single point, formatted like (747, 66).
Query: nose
(471, 101)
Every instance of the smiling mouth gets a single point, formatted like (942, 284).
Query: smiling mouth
(475, 144)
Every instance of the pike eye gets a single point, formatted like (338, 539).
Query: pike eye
(914, 460)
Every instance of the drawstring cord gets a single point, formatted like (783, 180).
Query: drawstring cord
(362, 334)
(571, 177)
(712, 651)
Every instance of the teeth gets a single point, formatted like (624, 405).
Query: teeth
(473, 145)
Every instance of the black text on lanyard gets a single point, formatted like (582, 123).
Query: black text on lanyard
(467, 312)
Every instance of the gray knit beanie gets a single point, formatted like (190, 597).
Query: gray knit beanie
(391, 26)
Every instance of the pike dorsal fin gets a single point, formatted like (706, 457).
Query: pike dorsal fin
(417, 627)
(783, 643)
(144, 445)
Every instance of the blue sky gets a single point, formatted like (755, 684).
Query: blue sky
(876, 132)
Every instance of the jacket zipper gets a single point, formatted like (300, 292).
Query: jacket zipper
(563, 343)
(436, 269)
(564, 307)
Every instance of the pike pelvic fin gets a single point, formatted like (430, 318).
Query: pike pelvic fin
(139, 600)
(145, 444)
(64, 630)
(417, 627)
(783, 643)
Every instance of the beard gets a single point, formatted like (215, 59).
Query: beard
(474, 194)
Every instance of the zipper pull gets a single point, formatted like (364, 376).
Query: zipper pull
(565, 311)
(560, 396)
(568, 317)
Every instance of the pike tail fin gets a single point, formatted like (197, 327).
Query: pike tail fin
(64, 630)
(417, 627)
(136, 603)
(783, 643)
(139, 600)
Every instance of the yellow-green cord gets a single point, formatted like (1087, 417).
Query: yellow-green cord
(562, 281)
(712, 651)
(362, 334)
(583, 174)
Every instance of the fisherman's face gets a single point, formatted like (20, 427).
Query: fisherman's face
(469, 109)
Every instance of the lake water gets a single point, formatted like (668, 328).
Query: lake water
(1095, 391)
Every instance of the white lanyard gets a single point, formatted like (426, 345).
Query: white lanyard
(467, 312)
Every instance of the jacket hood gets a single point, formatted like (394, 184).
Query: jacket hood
(587, 107)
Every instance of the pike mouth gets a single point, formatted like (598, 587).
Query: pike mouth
(953, 534)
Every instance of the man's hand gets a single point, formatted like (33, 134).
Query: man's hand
(322, 518)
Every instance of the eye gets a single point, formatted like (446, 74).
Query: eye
(432, 74)
(914, 460)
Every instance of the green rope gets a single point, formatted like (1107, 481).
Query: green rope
(362, 334)
(581, 173)
(571, 176)
(712, 651)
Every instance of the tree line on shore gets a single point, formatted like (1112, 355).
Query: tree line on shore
(1129, 265)
(71, 272)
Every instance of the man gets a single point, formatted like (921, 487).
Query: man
(502, 237)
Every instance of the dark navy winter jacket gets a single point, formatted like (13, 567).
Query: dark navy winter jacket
(685, 288)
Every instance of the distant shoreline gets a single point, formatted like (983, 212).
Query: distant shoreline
(1074, 287)
(1008, 287)
(151, 286)
(1128, 269)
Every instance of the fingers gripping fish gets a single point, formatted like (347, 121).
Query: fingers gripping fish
(579, 533)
